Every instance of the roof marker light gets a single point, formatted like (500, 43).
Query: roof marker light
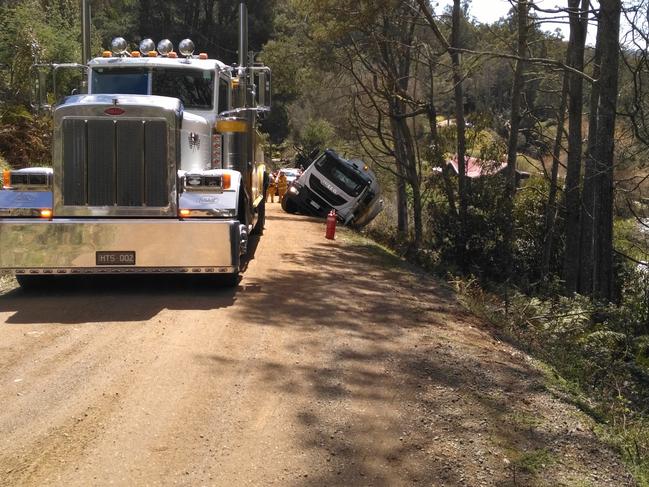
(172, 55)
(46, 213)
(106, 54)
(152, 53)
(147, 45)
(202, 55)
(135, 54)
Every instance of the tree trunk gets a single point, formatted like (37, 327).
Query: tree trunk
(610, 11)
(512, 144)
(590, 206)
(402, 201)
(551, 209)
(573, 171)
(517, 90)
(460, 243)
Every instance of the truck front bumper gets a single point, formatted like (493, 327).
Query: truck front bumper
(74, 246)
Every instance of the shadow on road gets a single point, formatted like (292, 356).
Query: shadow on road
(98, 299)
(394, 383)
(78, 300)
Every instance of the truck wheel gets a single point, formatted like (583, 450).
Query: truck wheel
(289, 206)
(231, 280)
(261, 219)
(242, 214)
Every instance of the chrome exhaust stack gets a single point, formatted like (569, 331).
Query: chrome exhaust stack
(85, 32)
(243, 35)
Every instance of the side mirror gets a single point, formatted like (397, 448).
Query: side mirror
(261, 76)
(51, 80)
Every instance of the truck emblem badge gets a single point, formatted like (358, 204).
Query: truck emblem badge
(25, 198)
(194, 141)
(114, 111)
(330, 187)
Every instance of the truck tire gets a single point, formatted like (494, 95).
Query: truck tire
(261, 219)
(289, 206)
(242, 213)
(231, 280)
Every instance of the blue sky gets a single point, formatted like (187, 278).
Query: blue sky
(488, 11)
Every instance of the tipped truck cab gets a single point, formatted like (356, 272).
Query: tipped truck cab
(333, 183)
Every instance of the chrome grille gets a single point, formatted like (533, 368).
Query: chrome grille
(109, 162)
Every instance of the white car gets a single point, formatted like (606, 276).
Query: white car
(291, 174)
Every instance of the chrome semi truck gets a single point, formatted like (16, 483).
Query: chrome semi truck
(157, 168)
(331, 182)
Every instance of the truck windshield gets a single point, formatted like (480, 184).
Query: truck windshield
(341, 175)
(127, 81)
(194, 87)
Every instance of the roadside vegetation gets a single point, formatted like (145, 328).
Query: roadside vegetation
(552, 250)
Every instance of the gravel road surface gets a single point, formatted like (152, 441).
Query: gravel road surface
(332, 363)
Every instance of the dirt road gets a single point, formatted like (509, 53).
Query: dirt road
(332, 363)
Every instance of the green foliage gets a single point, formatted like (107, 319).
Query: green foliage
(596, 351)
(25, 139)
(487, 222)
(316, 134)
(46, 31)
(533, 461)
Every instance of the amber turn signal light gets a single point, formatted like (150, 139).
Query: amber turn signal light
(226, 181)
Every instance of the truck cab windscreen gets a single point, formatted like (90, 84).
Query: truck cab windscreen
(342, 176)
(194, 87)
(123, 81)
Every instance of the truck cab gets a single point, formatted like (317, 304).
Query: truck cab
(158, 168)
(331, 182)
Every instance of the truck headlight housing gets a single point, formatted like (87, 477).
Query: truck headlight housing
(29, 179)
(165, 46)
(118, 46)
(186, 47)
(146, 46)
(206, 182)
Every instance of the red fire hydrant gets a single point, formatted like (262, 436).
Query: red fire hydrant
(330, 233)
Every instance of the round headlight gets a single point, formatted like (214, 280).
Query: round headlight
(118, 45)
(146, 46)
(165, 47)
(186, 47)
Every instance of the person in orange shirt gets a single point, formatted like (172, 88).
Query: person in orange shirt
(272, 188)
(282, 186)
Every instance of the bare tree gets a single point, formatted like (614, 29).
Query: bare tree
(514, 124)
(454, 49)
(578, 22)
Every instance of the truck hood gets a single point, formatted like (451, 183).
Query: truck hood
(124, 101)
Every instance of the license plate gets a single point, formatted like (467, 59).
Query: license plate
(124, 257)
(315, 205)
